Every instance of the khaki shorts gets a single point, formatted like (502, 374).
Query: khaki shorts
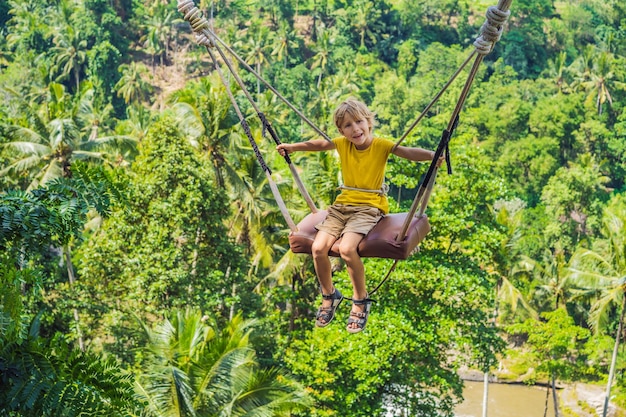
(356, 219)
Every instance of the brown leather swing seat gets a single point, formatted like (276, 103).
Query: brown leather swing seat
(380, 242)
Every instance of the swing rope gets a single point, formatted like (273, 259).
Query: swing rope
(268, 173)
(200, 25)
(202, 39)
(491, 31)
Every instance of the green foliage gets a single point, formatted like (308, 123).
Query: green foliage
(32, 223)
(529, 163)
(192, 367)
(370, 25)
(407, 58)
(431, 21)
(104, 60)
(4, 12)
(167, 248)
(523, 44)
(543, 126)
(400, 361)
(556, 342)
(349, 376)
(600, 269)
(56, 213)
(463, 221)
(573, 198)
(48, 378)
(28, 27)
(14, 320)
(112, 20)
(559, 119)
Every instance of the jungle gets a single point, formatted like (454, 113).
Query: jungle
(145, 267)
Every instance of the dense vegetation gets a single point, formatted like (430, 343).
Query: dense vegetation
(145, 267)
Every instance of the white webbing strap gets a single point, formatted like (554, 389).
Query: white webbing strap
(381, 191)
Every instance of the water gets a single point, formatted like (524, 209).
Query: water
(505, 400)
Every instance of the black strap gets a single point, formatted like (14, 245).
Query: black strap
(255, 148)
(362, 302)
(267, 126)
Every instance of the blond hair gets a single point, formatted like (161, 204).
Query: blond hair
(357, 110)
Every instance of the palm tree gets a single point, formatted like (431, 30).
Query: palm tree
(551, 275)
(366, 14)
(323, 49)
(48, 378)
(46, 148)
(158, 33)
(601, 77)
(193, 368)
(131, 86)
(203, 112)
(256, 55)
(137, 122)
(602, 268)
(255, 212)
(28, 31)
(504, 268)
(47, 145)
(557, 69)
(69, 55)
(284, 42)
(294, 271)
(594, 74)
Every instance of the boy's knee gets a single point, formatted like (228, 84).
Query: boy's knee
(348, 252)
(318, 249)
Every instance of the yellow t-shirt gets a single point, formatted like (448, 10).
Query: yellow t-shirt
(363, 169)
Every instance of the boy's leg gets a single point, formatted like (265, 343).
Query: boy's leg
(348, 249)
(323, 268)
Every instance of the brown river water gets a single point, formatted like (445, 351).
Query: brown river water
(505, 400)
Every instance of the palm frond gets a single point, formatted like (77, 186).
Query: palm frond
(29, 148)
(53, 380)
(21, 165)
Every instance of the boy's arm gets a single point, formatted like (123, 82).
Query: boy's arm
(413, 154)
(309, 145)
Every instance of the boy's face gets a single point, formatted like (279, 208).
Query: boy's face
(356, 130)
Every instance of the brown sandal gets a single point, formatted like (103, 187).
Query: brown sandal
(328, 313)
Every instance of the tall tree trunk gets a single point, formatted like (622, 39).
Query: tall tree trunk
(77, 79)
(545, 405)
(232, 306)
(94, 131)
(607, 397)
(72, 277)
(496, 313)
(554, 396)
(291, 303)
(485, 393)
(194, 256)
(258, 81)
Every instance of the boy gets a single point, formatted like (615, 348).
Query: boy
(358, 208)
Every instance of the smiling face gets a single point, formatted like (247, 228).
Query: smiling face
(356, 130)
(356, 122)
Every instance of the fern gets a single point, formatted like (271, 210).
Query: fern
(57, 212)
(41, 378)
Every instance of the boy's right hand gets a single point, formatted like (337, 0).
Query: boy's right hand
(282, 149)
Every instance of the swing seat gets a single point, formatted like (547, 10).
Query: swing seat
(380, 242)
